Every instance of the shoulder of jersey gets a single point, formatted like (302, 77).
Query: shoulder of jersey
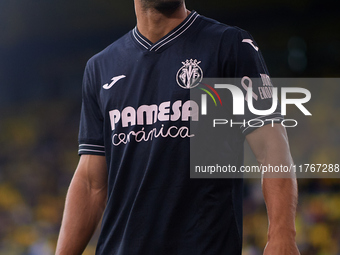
(216, 29)
(228, 30)
(116, 45)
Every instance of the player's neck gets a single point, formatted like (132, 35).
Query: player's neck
(154, 25)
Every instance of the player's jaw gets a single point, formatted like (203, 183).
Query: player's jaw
(162, 5)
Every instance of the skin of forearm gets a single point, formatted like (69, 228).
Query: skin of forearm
(279, 189)
(83, 210)
(281, 199)
(270, 146)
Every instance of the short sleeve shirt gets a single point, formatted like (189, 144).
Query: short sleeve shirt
(136, 110)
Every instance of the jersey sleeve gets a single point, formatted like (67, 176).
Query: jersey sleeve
(249, 69)
(91, 138)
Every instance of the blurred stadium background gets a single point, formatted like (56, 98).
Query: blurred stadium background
(44, 46)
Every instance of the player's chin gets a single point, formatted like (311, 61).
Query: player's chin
(168, 6)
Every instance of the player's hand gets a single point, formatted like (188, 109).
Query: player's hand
(281, 247)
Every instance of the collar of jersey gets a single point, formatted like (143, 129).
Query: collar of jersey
(175, 33)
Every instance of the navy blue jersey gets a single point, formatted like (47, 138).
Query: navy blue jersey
(136, 112)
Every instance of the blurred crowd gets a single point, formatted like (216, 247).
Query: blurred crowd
(38, 155)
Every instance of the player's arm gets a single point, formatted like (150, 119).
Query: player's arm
(85, 203)
(270, 146)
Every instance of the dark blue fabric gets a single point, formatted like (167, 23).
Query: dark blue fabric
(153, 206)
